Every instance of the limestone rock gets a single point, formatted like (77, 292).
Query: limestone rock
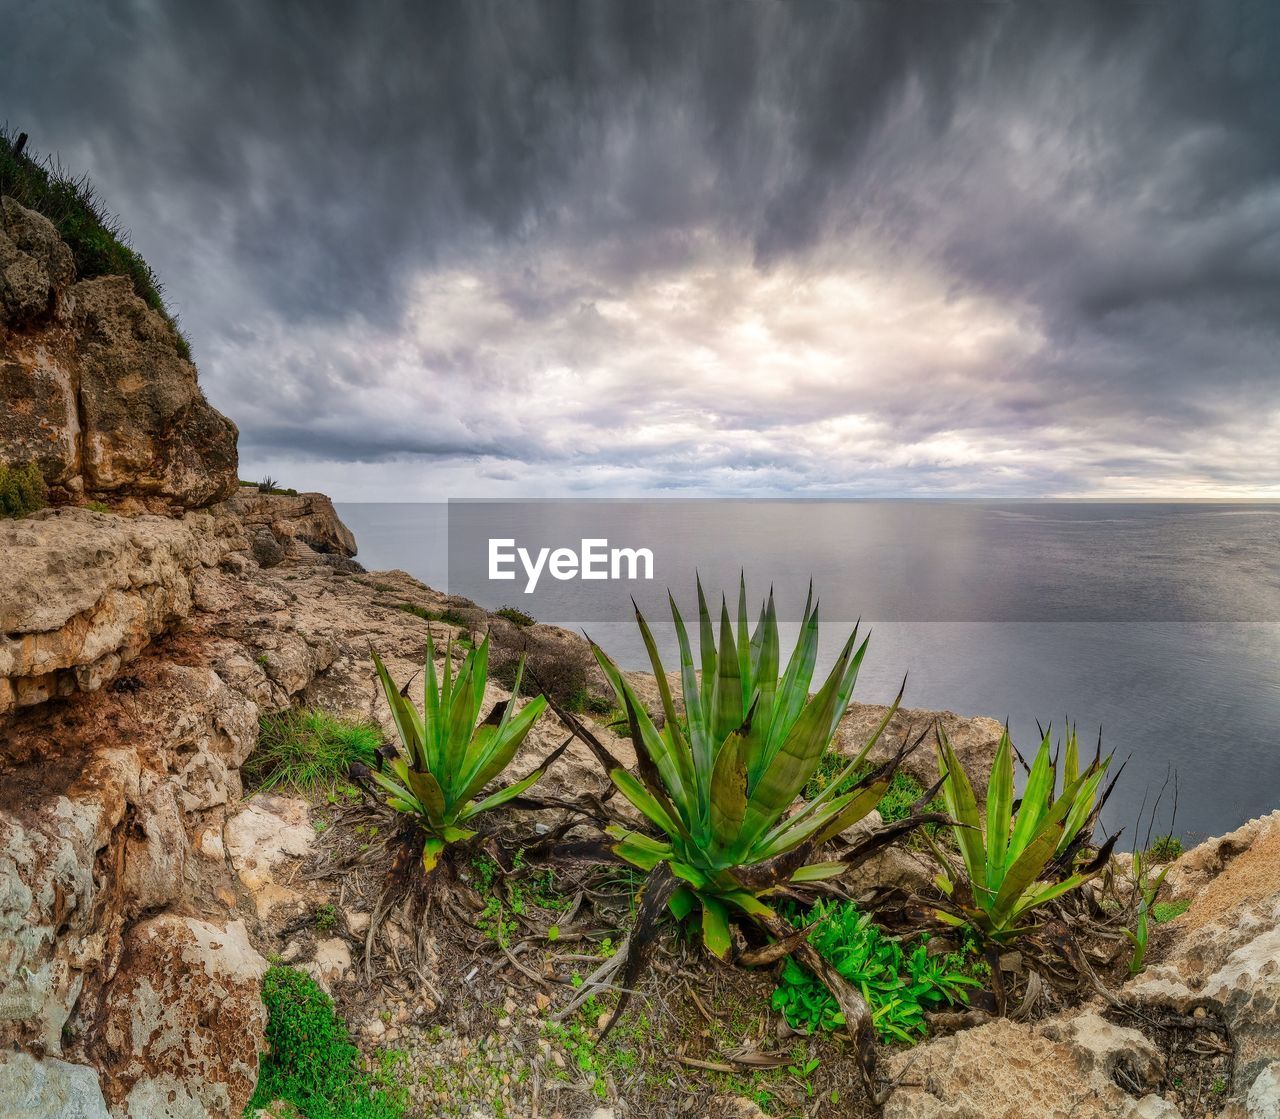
(48, 1089)
(1263, 1098)
(260, 837)
(86, 592)
(1224, 952)
(1006, 1070)
(293, 520)
(331, 963)
(35, 264)
(182, 1021)
(975, 740)
(106, 404)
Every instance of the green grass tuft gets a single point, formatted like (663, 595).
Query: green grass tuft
(22, 490)
(1164, 911)
(308, 750)
(516, 616)
(310, 1060)
(1164, 849)
(97, 242)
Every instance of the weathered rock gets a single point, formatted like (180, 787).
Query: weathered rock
(35, 264)
(259, 838)
(1006, 1070)
(181, 1023)
(330, 963)
(306, 519)
(1224, 952)
(974, 739)
(48, 1089)
(86, 592)
(1263, 1098)
(105, 403)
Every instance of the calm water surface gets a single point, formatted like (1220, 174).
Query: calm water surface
(1161, 623)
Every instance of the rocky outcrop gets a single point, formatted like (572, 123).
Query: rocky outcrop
(1223, 954)
(1219, 963)
(974, 738)
(102, 399)
(300, 527)
(86, 592)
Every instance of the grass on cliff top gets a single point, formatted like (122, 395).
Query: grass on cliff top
(311, 1061)
(97, 241)
(308, 750)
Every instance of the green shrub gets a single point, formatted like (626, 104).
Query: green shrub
(516, 616)
(1165, 849)
(308, 750)
(310, 1060)
(719, 784)
(98, 507)
(445, 759)
(1023, 851)
(22, 490)
(98, 244)
(899, 985)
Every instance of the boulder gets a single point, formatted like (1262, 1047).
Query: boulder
(181, 1024)
(106, 404)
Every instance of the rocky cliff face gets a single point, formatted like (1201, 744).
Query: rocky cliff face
(94, 387)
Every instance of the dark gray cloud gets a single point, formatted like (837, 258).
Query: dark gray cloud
(817, 247)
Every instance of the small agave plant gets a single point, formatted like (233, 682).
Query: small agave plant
(718, 782)
(445, 760)
(1020, 853)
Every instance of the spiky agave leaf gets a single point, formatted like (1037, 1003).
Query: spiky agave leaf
(718, 783)
(1019, 854)
(445, 760)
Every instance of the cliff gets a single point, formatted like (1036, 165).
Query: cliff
(97, 393)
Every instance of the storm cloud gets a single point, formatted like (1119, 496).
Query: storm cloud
(471, 249)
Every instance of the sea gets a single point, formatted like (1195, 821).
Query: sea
(1156, 625)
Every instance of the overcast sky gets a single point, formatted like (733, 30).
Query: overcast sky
(694, 248)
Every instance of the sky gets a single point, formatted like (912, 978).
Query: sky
(699, 248)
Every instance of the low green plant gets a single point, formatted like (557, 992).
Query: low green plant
(1024, 853)
(98, 506)
(1147, 889)
(326, 917)
(308, 750)
(1164, 849)
(22, 490)
(516, 616)
(1165, 911)
(719, 785)
(310, 1060)
(898, 986)
(445, 760)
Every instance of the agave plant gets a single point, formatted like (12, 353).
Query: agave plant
(718, 782)
(1024, 853)
(445, 760)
